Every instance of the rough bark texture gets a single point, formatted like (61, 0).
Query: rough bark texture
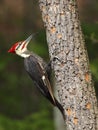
(73, 77)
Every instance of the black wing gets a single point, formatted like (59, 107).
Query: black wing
(38, 74)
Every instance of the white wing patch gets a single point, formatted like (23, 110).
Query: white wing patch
(43, 78)
(47, 84)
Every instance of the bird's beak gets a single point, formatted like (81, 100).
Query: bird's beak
(27, 41)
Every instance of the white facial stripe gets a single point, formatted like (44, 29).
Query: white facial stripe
(23, 46)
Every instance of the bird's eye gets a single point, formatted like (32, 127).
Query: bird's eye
(18, 46)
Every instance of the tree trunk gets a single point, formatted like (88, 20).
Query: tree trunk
(73, 77)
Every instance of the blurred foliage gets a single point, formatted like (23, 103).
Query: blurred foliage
(35, 121)
(91, 38)
(21, 106)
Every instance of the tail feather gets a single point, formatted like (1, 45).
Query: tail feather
(59, 106)
(55, 102)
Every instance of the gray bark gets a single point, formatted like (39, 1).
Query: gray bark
(58, 120)
(73, 78)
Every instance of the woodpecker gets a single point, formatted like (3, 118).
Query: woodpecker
(37, 69)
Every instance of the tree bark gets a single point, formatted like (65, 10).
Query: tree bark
(73, 78)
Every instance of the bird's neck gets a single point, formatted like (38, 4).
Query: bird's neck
(25, 54)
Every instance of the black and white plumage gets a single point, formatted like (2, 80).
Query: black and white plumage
(38, 70)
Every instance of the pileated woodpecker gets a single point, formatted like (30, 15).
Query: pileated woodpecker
(37, 69)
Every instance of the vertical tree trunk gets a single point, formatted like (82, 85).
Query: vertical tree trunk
(73, 77)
